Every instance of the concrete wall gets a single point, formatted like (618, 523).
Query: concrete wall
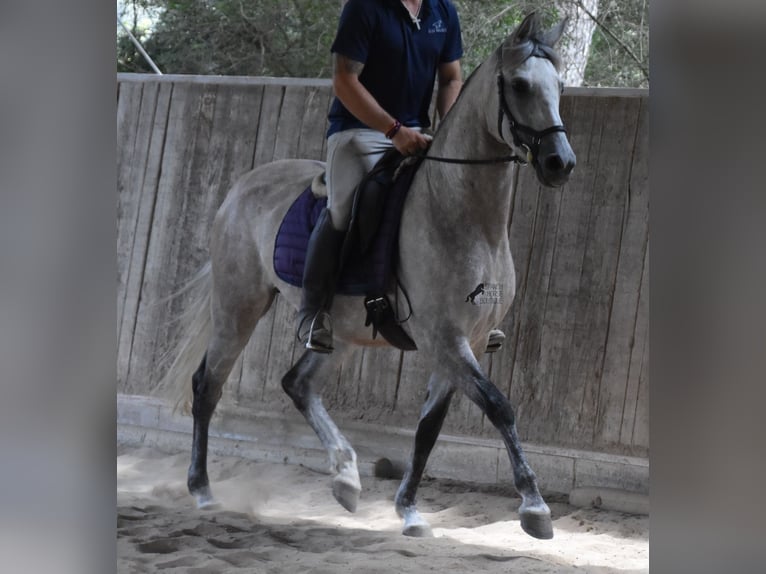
(575, 363)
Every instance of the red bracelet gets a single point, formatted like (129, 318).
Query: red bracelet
(393, 129)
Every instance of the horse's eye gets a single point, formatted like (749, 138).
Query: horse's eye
(520, 86)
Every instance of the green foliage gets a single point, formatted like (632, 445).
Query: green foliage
(293, 37)
(610, 64)
(486, 24)
(235, 37)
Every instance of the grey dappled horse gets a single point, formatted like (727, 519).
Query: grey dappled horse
(453, 236)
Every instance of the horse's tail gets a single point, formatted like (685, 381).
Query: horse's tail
(194, 327)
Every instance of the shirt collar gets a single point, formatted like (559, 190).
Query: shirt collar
(425, 8)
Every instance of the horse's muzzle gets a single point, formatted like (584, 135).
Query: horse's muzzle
(553, 168)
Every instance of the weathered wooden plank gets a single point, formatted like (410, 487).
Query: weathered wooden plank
(376, 385)
(181, 135)
(314, 122)
(640, 437)
(267, 126)
(565, 297)
(531, 386)
(616, 255)
(634, 412)
(137, 200)
(341, 394)
(625, 325)
(290, 122)
(128, 193)
(128, 201)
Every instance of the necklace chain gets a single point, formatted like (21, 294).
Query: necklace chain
(414, 17)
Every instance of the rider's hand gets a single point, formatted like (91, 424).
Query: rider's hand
(408, 141)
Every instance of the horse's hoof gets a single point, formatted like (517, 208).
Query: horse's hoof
(537, 524)
(346, 488)
(415, 525)
(346, 494)
(205, 499)
(418, 530)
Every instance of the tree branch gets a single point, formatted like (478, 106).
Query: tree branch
(611, 34)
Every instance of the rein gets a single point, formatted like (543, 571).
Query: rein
(501, 159)
(503, 111)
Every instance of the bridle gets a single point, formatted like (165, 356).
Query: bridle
(532, 148)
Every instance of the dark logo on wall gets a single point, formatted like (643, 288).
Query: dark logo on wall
(486, 294)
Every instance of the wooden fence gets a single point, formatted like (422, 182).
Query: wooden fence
(575, 363)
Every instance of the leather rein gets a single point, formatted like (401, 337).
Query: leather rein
(504, 111)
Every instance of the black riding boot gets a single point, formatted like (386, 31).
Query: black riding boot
(319, 279)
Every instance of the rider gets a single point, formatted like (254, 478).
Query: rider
(386, 56)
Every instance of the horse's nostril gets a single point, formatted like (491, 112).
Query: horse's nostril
(554, 163)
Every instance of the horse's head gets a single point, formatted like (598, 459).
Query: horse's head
(529, 88)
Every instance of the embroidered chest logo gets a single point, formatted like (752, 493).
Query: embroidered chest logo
(437, 27)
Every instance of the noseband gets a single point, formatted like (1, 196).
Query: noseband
(535, 137)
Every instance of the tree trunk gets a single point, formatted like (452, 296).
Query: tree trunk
(574, 46)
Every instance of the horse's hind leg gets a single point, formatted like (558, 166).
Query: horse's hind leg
(233, 323)
(431, 418)
(304, 383)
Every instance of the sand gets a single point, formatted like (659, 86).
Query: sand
(283, 519)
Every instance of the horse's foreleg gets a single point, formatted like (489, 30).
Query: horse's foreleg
(304, 383)
(534, 513)
(430, 424)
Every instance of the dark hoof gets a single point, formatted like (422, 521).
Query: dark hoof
(422, 530)
(537, 525)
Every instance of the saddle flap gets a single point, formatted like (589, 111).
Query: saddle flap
(369, 199)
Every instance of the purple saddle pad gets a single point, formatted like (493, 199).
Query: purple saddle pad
(363, 273)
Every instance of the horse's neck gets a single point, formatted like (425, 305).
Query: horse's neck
(472, 194)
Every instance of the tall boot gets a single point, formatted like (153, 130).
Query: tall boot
(319, 280)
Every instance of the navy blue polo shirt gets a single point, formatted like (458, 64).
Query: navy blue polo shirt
(400, 61)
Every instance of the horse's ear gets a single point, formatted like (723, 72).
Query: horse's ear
(526, 30)
(550, 37)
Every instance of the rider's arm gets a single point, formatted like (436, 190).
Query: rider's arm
(355, 97)
(357, 100)
(450, 83)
